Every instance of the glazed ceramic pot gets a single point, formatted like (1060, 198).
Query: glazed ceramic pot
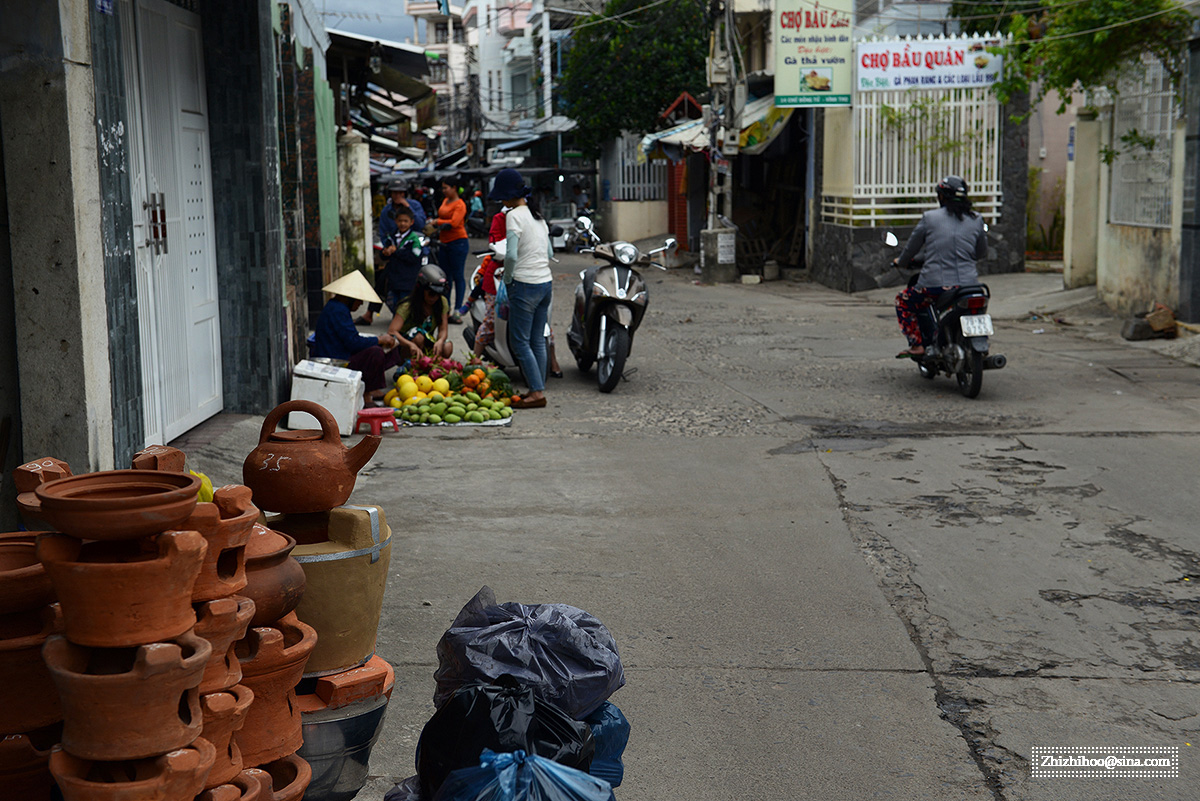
(243, 787)
(24, 585)
(128, 703)
(29, 476)
(119, 594)
(224, 713)
(273, 661)
(223, 622)
(159, 457)
(177, 775)
(285, 779)
(345, 572)
(117, 504)
(25, 768)
(274, 580)
(225, 524)
(304, 471)
(28, 698)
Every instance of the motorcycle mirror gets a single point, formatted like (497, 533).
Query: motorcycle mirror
(985, 227)
(556, 230)
(584, 224)
(890, 239)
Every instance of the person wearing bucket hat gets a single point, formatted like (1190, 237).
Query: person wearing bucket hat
(337, 338)
(528, 281)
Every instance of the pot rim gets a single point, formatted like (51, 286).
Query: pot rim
(176, 487)
(201, 651)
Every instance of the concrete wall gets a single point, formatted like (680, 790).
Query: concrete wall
(1049, 133)
(47, 118)
(1083, 218)
(354, 186)
(631, 220)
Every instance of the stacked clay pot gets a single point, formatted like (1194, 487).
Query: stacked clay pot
(305, 478)
(126, 662)
(30, 711)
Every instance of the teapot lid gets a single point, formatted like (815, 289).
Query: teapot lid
(299, 435)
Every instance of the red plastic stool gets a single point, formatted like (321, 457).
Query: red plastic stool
(375, 417)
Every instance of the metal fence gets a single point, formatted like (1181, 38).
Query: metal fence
(1144, 115)
(629, 180)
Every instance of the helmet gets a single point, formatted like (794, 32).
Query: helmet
(432, 277)
(952, 189)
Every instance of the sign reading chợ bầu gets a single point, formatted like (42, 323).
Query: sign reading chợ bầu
(814, 52)
(927, 64)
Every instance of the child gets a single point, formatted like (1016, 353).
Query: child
(405, 260)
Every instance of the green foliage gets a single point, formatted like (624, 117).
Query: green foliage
(1068, 44)
(622, 73)
(1038, 237)
(982, 18)
(928, 124)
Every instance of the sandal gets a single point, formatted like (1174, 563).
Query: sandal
(556, 374)
(912, 353)
(536, 403)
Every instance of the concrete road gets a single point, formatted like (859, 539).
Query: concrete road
(828, 577)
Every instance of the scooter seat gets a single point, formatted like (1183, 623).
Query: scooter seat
(947, 299)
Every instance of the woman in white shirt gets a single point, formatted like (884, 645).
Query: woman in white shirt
(528, 281)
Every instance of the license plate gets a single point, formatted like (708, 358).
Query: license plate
(977, 325)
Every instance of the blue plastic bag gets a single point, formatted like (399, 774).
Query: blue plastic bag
(520, 777)
(502, 300)
(610, 731)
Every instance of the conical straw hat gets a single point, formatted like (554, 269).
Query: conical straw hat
(353, 285)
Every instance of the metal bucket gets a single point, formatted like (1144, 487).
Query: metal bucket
(337, 744)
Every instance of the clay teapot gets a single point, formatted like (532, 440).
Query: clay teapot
(304, 471)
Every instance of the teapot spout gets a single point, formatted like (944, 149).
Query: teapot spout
(357, 456)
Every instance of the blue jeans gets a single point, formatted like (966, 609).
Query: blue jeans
(452, 259)
(528, 309)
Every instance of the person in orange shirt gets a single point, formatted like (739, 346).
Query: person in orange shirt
(452, 256)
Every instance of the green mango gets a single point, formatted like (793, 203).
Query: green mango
(475, 417)
(473, 397)
(506, 413)
(453, 418)
(472, 407)
(435, 418)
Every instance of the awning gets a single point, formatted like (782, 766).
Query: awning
(517, 143)
(762, 121)
(690, 133)
(400, 65)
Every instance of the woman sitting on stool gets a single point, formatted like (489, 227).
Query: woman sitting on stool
(337, 338)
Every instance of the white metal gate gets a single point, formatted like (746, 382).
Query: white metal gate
(170, 178)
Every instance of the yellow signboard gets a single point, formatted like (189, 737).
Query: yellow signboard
(814, 52)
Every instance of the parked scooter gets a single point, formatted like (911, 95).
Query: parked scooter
(955, 329)
(610, 303)
(583, 234)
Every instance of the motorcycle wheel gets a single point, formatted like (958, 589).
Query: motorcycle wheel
(610, 368)
(926, 370)
(970, 375)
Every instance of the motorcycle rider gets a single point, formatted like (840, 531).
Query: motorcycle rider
(954, 239)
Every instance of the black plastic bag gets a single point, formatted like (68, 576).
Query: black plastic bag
(610, 730)
(567, 656)
(501, 718)
(521, 777)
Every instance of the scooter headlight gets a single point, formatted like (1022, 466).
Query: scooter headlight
(625, 252)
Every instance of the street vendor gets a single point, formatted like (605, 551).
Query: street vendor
(421, 324)
(337, 338)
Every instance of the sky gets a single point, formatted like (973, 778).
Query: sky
(384, 19)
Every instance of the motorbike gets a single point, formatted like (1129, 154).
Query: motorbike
(477, 225)
(610, 302)
(955, 328)
(582, 234)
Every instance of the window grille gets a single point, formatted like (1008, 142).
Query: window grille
(1144, 114)
(633, 181)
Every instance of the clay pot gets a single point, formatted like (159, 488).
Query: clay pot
(159, 457)
(274, 580)
(119, 594)
(24, 585)
(284, 779)
(25, 767)
(273, 661)
(117, 504)
(29, 476)
(224, 713)
(225, 525)
(304, 472)
(223, 622)
(128, 703)
(243, 787)
(345, 576)
(174, 776)
(28, 698)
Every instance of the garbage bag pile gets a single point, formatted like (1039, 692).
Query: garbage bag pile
(522, 708)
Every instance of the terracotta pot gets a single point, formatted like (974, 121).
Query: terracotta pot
(28, 698)
(284, 779)
(119, 594)
(243, 787)
(224, 713)
(117, 504)
(302, 473)
(128, 703)
(25, 768)
(174, 776)
(345, 577)
(272, 663)
(223, 622)
(159, 457)
(274, 580)
(225, 524)
(24, 585)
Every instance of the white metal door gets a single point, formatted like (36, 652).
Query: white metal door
(173, 227)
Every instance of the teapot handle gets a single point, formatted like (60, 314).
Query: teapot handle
(324, 417)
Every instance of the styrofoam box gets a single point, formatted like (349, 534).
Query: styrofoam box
(338, 389)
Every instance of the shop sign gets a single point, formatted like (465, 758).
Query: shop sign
(958, 63)
(814, 52)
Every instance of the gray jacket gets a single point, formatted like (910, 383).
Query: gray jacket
(952, 246)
